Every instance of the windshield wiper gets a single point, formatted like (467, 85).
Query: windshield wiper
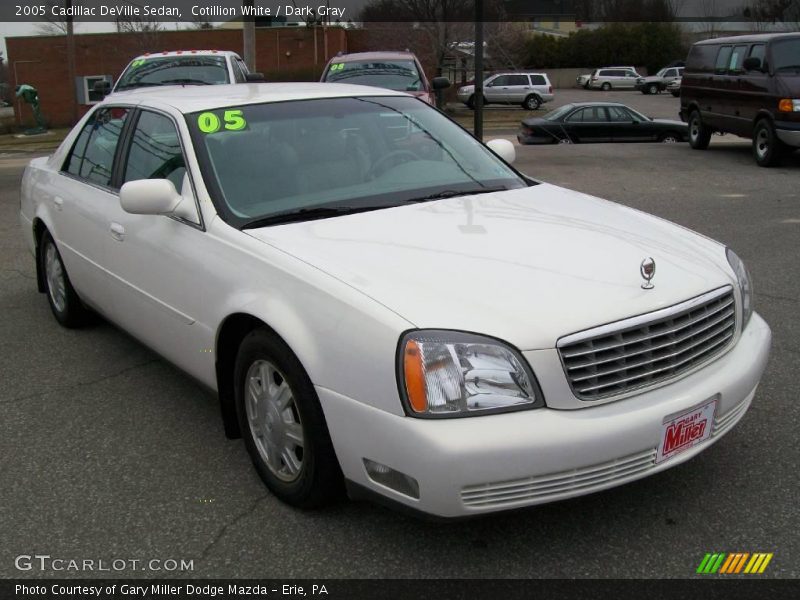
(185, 81)
(136, 85)
(309, 214)
(453, 193)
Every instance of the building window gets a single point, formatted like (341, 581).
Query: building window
(91, 95)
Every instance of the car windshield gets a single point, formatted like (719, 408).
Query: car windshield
(786, 55)
(400, 75)
(555, 115)
(364, 153)
(661, 73)
(174, 70)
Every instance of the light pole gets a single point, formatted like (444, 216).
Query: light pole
(249, 37)
(478, 95)
(71, 60)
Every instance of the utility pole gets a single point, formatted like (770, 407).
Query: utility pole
(478, 124)
(249, 37)
(71, 59)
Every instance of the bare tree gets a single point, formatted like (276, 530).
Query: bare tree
(146, 30)
(52, 25)
(774, 15)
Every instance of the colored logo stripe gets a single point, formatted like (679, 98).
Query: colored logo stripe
(734, 562)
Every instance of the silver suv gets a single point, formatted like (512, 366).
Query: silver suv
(614, 79)
(530, 90)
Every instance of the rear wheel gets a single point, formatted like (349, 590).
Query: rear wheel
(605, 87)
(471, 102)
(699, 134)
(282, 423)
(64, 301)
(768, 150)
(532, 102)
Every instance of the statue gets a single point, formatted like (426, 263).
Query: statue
(30, 95)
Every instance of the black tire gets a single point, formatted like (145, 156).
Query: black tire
(699, 134)
(606, 87)
(768, 150)
(676, 93)
(319, 480)
(652, 88)
(471, 102)
(64, 301)
(532, 102)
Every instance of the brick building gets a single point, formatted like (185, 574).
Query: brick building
(282, 54)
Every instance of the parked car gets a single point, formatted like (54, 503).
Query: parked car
(316, 265)
(614, 79)
(746, 85)
(185, 67)
(584, 80)
(588, 122)
(655, 84)
(674, 87)
(529, 90)
(400, 71)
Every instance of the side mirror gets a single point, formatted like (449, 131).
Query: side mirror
(102, 87)
(504, 149)
(254, 77)
(440, 83)
(752, 63)
(149, 197)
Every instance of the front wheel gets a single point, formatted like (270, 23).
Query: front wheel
(532, 103)
(282, 423)
(768, 150)
(64, 302)
(669, 138)
(652, 88)
(699, 134)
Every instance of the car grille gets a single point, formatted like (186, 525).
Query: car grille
(549, 487)
(646, 350)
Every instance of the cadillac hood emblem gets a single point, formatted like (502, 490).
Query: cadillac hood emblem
(648, 271)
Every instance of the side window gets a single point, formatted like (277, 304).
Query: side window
(538, 80)
(670, 73)
(242, 65)
(758, 51)
(155, 151)
(737, 57)
(518, 80)
(619, 114)
(92, 156)
(238, 76)
(577, 116)
(723, 60)
(501, 80)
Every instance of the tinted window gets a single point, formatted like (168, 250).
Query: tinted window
(723, 60)
(618, 114)
(702, 57)
(501, 80)
(670, 73)
(401, 75)
(155, 151)
(174, 70)
(92, 157)
(737, 56)
(238, 74)
(593, 114)
(518, 80)
(758, 51)
(538, 80)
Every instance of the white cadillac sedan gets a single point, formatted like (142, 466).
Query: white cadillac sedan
(384, 305)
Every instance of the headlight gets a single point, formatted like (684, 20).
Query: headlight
(455, 374)
(745, 285)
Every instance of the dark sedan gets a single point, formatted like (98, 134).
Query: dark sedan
(599, 122)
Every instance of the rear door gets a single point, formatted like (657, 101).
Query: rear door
(83, 201)
(717, 93)
(589, 124)
(519, 86)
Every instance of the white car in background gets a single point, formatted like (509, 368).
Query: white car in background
(382, 303)
(185, 67)
(529, 90)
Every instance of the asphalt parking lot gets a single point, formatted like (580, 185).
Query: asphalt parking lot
(107, 452)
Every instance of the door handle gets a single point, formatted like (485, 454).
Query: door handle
(58, 202)
(117, 231)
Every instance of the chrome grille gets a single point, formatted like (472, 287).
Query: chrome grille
(534, 490)
(648, 349)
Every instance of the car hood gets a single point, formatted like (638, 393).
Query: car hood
(527, 266)
(789, 84)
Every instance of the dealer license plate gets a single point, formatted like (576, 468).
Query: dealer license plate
(685, 430)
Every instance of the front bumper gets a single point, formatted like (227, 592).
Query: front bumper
(483, 464)
(789, 134)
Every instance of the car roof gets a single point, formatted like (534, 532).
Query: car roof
(169, 53)
(746, 39)
(192, 98)
(583, 104)
(356, 56)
